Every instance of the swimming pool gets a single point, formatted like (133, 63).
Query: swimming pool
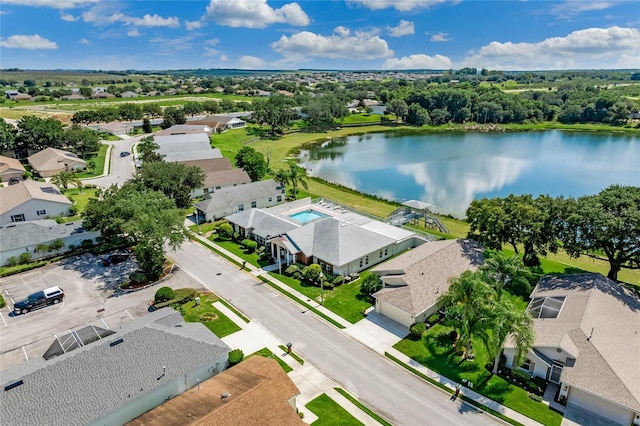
(308, 216)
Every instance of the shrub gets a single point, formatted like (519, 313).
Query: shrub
(433, 319)
(225, 231)
(339, 280)
(73, 210)
(164, 294)
(138, 277)
(25, 257)
(328, 285)
(250, 245)
(235, 356)
(2, 302)
(370, 284)
(535, 397)
(86, 244)
(311, 274)
(417, 330)
(71, 247)
(292, 270)
(13, 261)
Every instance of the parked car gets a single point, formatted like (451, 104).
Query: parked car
(40, 299)
(115, 258)
(125, 154)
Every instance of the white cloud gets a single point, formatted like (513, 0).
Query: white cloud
(133, 33)
(153, 21)
(401, 5)
(340, 45)
(224, 58)
(440, 37)
(417, 62)
(250, 62)
(192, 25)
(56, 4)
(404, 28)
(84, 41)
(613, 47)
(99, 17)
(254, 14)
(68, 17)
(574, 7)
(31, 42)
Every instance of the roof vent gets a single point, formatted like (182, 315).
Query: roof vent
(116, 342)
(225, 395)
(13, 385)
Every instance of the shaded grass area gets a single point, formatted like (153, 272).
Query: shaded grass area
(364, 408)
(98, 159)
(265, 352)
(205, 313)
(330, 413)
(344, 300)
(435, 351)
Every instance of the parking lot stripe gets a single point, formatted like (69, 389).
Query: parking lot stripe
(5, 323)
(128, 314)
(25, 353)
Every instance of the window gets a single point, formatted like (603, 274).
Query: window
(366, 260)
(240, 207)
(380, 255)
(254, 204)
(546, 307)
(527, 365)
(206, 190)
(41, 212)
(361, 262)
(270, 199)
(17, 218)
(279, 198)
(386, 250)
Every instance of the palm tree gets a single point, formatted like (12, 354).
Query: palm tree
(62, 179)
(297, 176)
(506, 271)
(508, 320)
(92, 166)
(467, 307)
(41, 248)
(281, 176)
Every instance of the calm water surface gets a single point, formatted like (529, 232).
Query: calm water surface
(450, 170)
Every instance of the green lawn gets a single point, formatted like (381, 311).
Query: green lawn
(98, 159)
(330, 413)
(239, 251)
(265, 352)
(344, 300)
(212, 318)
(364, 408)
(435, 350)
(80, 197)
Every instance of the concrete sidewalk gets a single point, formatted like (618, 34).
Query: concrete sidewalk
(375, 332)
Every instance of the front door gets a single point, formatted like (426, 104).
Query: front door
(556, 373)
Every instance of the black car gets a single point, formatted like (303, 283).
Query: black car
(125, 154)
(114, 259)
(40, 299)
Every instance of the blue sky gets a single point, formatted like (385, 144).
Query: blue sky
(320, 34)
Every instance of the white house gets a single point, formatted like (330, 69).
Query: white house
(220, 123)
(20, 237)
(111, 381)
(185, 147)
(413, 281)
(218, 174)
(587, 344)
(230, 200)
(31, 200)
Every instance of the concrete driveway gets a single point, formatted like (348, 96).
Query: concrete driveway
(121, 169)
(92, 296)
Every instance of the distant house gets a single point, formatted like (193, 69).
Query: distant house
(11, 170)
(587, 344)
(226, 201)
(113, 380)
(51, 161)
(73, 97)
(129, 94)
(413, 281)
(102, 95)
(220, 123)
(185, 147)
(114, 128)
(14, 95)
(259, 393)
(183, 129)
(25, 236)
(31, 200)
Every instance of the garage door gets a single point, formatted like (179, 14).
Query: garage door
(592, 403)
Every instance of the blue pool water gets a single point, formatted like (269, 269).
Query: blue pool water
(307, 216)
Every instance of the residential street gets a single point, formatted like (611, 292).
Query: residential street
(379, 383)
(121, 168)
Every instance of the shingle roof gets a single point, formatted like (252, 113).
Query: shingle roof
(92, 381)
(15, 195)
(226, 177)
(173, 139)
(423, 273)
(241, 194)
(599, 325)
(179, 129)
(53, 159)
(8, 165)
(259, 393)
(210, 164)
(24, 234)
(262, 223)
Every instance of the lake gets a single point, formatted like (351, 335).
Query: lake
(450, 170)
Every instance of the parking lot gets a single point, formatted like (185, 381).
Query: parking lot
(92, 296)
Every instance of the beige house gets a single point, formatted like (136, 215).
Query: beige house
(31, 200)
(11, 170)
(219, 123)
(259, 393)
(413, 281)
(587, 346)
(51, 161)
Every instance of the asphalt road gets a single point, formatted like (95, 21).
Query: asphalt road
(380, 384)
(121, 168)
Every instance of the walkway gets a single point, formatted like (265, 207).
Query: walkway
(375, 332)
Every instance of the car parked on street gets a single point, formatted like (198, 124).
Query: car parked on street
(39, 299)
